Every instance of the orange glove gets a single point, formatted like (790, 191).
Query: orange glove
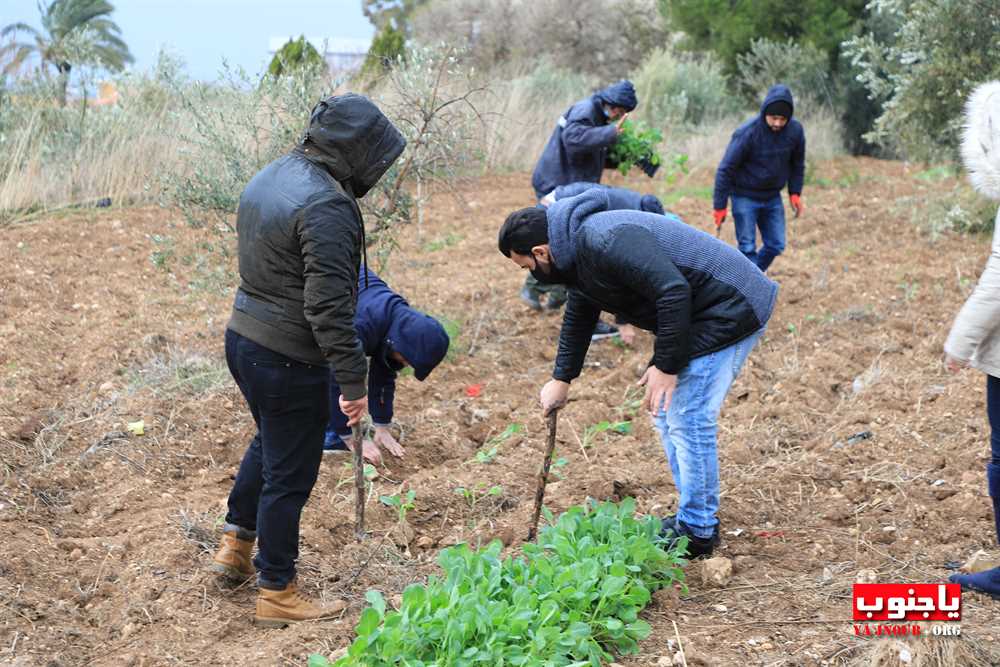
(796, 201)
(720, 215)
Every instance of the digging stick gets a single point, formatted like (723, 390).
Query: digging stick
(543, 475)
(359, 482)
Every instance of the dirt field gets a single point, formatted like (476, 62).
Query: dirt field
(844, 445)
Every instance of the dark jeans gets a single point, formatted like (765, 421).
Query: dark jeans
(289, 401)
(557, 293)
(769, 216)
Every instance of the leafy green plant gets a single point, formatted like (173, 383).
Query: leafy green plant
(591, 432)
(572, 599)
(402, 504)
(636, 143)
(488, 452)
(476, 493)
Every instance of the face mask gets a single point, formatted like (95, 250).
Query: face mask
(553, 277)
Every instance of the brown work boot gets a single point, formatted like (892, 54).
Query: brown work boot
(278, 608)
(233, 558)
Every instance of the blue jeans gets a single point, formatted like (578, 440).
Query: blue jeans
(289, 401)
(688, 431)
(993, 467)
(769, 216)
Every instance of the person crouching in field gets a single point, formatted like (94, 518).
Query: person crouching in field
(974, 339)
(394, 336)
(705, 302)
(619, 198)
(763, 155)
(576, 152)
(301, 239)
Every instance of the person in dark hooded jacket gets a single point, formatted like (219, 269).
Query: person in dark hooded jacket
(706, 304)
(301, 239)
(394, 336)
(618, 198)
(764, 154)
(577, 151)
(578, 147)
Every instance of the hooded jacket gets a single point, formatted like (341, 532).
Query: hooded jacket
(300, 235)
(578, 147)
(386, 322)
(696, 293)
(618, 198)
(758, 161)
(975, 334)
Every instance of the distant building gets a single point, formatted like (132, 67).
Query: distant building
(342, 54)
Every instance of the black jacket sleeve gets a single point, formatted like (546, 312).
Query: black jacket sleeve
(634, 259)
(329, 232)
(578, 325)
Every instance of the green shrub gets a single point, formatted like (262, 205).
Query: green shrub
(803, 68)
(387, 49)
(686, 89)
(294, 54)
(922, 70)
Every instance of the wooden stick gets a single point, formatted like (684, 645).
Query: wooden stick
(680, 647)
(543, 475)
(359, 482)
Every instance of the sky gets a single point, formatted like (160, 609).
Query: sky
(203, 32)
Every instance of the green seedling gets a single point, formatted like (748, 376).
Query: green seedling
(403, 504)
(591, 432)
(488, 452)
(474, 495)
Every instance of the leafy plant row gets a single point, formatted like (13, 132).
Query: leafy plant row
(572, 599)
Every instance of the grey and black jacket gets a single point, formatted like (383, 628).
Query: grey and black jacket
(301, 234)
(694, 292)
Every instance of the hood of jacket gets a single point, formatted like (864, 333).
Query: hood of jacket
(620, 94)
(565, 218)
(981, 139)
(353, 140)
(420, 338)
(779, 92)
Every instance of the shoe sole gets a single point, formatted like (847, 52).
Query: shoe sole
(230, 572)
(268, 622)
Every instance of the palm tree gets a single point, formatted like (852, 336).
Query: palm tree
(74, 32)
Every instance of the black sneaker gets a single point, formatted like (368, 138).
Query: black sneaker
(672, 530)
(604, 330)
(530, 298)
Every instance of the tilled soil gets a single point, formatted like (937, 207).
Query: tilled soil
(844, 445)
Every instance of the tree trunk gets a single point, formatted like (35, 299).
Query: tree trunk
(64, 70)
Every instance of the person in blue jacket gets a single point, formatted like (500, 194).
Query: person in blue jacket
(394, 336)
(764, 154)
(577, 151)
(619, 198)
(578, 147)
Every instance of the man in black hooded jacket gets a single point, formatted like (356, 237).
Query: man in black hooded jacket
(301, 238)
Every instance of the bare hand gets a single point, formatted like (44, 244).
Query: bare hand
(659, 390)
(553, 396)
(621, 122)
(369, 450)
(627, 333)
(383, 438)
(354, 410)
(953, 364)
